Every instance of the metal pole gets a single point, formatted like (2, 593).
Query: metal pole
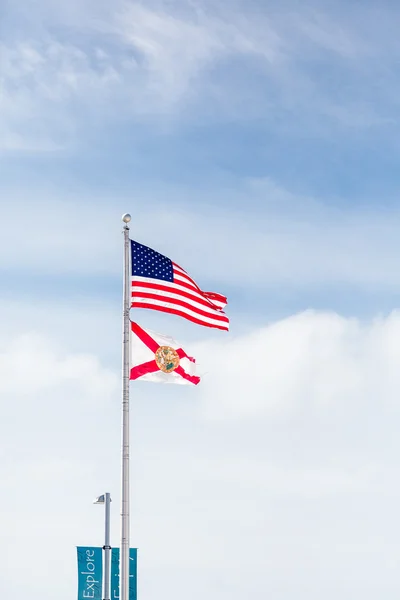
(124, 554)
(107, 547)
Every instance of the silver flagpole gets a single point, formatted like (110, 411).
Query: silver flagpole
(124, 554)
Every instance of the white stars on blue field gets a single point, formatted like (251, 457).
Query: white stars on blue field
(149, 263)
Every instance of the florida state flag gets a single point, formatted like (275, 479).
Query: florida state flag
(155, 357)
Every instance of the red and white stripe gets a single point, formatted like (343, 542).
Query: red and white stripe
(182, 297)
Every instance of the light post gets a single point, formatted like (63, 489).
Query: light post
(106, 500)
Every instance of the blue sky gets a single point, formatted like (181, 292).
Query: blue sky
(254, 110)
(256, 144)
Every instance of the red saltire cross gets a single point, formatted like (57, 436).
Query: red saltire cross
(151, 366)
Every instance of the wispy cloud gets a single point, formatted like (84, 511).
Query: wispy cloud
(135, 59)
(284, 240)
(177, 48)
(48, 88)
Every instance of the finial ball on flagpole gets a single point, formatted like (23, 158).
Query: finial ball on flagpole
(126, 217)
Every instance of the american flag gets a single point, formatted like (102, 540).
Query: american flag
(160, 284)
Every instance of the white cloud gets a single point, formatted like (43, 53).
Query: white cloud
(308, 462)
(50, 405)
(31, 359)
(309, 362)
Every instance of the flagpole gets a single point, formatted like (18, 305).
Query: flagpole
(124, 554)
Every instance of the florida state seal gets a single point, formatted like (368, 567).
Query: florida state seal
(167, 359)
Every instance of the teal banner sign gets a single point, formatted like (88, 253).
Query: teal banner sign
(90, 573)
(132, 574)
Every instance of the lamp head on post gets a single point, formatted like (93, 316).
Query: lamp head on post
(101, 499)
